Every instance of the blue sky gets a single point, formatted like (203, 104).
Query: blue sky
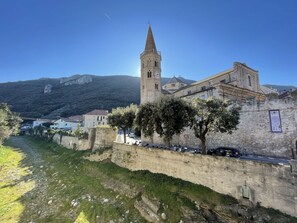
(199, 38)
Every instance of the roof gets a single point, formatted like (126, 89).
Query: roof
(78, 118)
(68, 120)
(267, 90)
(150, 45)
(175, 80)
(98, 112)
(164, 91)
(214, 76)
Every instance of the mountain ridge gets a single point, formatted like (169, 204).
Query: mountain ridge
(34, 98)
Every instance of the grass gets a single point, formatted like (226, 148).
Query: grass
(73, 179)
(11, 186)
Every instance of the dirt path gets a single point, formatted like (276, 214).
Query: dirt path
(34, 204)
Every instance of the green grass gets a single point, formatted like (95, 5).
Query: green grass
(69, 177)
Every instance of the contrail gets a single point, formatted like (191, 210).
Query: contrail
(107, 16)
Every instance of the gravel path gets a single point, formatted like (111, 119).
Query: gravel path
(35, 198)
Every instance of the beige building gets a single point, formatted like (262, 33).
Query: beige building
(174, 84)
(150, 89)
(95, 118)
(238, 83)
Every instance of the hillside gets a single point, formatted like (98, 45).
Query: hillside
(281, 88)
(75, 95)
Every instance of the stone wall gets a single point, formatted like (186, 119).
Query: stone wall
(269, 184)
(253, 135)
(71, 142)
(104, 137)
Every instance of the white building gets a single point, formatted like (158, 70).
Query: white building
(95, 118)
(40, 121)
(71, 123)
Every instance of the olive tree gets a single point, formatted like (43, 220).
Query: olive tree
(167, 116)
(122, 118)
(146, 119)
(213, 115)
(9, 122)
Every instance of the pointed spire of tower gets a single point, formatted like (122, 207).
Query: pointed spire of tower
(150, 45)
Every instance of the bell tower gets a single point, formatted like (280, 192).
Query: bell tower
(150, 89)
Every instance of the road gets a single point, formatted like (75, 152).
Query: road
(266, 159)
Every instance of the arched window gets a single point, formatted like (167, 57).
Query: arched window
(156, 63)
(156, 86)
(250, 81)
(149, 74)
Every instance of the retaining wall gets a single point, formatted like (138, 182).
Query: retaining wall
(269, 184)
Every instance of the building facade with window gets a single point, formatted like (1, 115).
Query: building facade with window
(150, 89)
(95, 118)
(238, 84)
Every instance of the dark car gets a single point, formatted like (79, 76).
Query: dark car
(225, 151)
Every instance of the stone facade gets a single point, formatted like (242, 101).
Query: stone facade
(254, 135)
(71, 142)
(174, 84)
(105, 136)
(150, 89)
(239, 83)
(269, 184)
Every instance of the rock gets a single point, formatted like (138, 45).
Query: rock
(121, 188)
(76, 79)
(163, 216)
(47, 89)
(50, 201)
(153, 204)
(74, 203)
(105, 200)
(41, 167)
(146, 212)
(197, 204)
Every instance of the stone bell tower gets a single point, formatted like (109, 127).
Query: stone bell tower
(150, 89)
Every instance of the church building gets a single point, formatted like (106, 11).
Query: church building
(239, 83)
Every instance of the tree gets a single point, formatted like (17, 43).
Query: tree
(168, 116)
(122, 118)
(146, 119)
(9, 122)
(213, 115)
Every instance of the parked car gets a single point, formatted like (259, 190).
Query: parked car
(194, 150)
(131, 135)
(225, 151)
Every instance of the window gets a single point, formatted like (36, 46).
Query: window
(142, 65)
(156, 63)
(149, 74)
(223, 81)
(189, 92)
(203, 88)
(250, 81)
(156, 86)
